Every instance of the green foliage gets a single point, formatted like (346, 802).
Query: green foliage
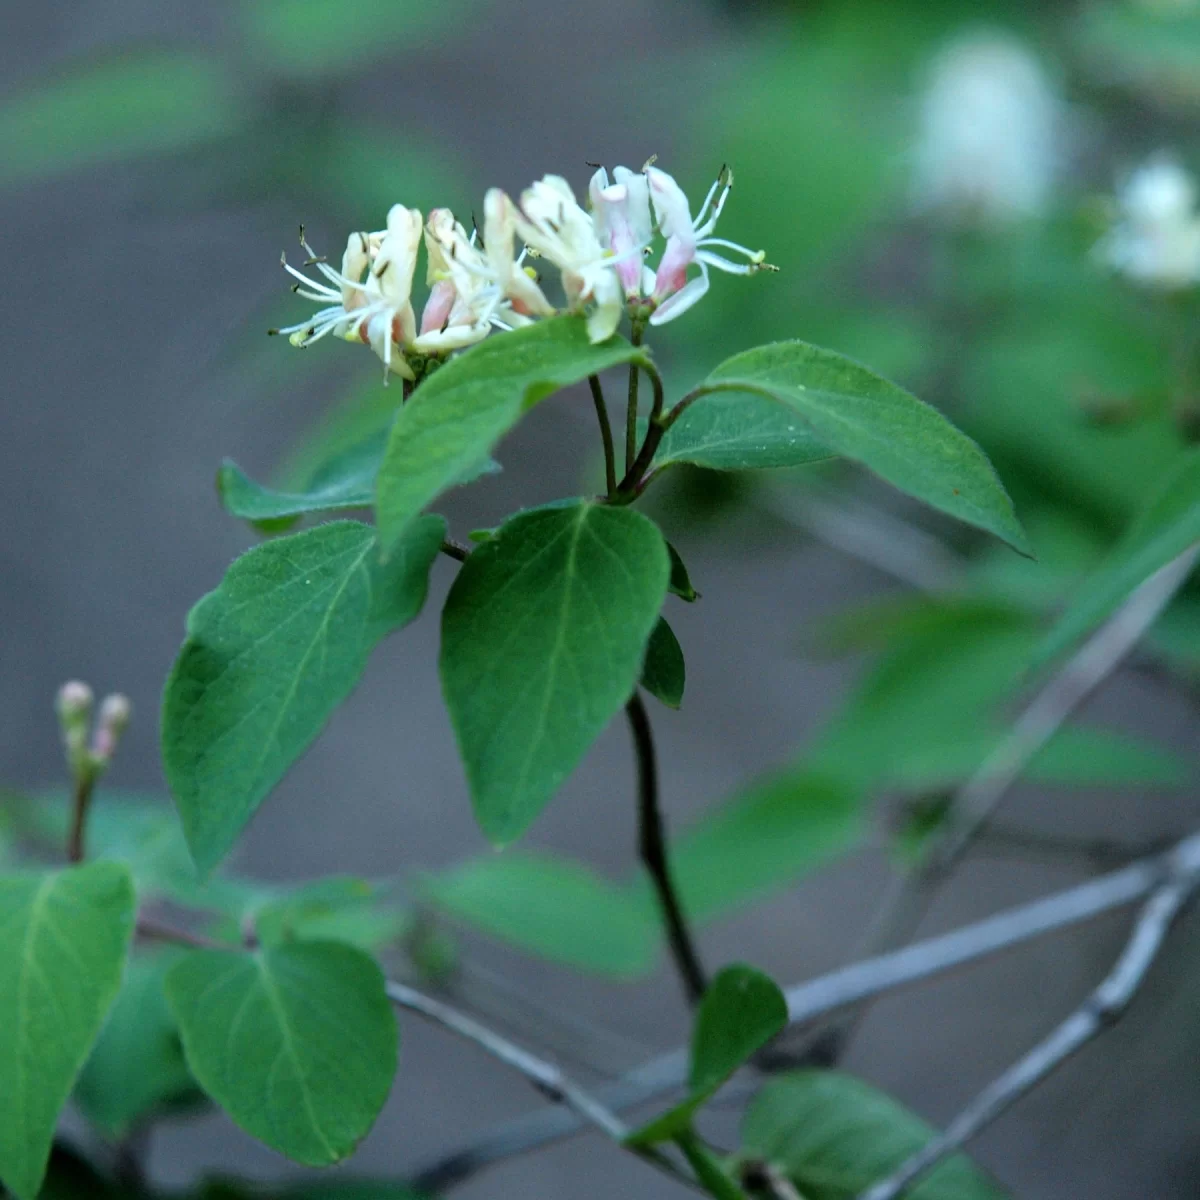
(296, 1042)
(1166, 527)
(136, 1069)
(680, 583)
(112, 109)
(345, 480)
(742, 1010)
(834, 1136)
(63, 941)
(457, 416)
(739, 433)
(663, 672)
(337, 908)
(268, 657)
(769, 833)
(543, 637)
(710, 1170)
(552, 907)
(857, 414)
(307, 36)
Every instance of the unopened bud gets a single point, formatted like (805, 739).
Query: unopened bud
(115, 711)
(74, 706)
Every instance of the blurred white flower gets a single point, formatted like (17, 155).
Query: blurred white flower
(990, 130)
(1156, 240)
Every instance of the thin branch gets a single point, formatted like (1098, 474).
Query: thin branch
(162, 931)
(631, 410)
(652, 846)
(545, 1076)
(661, 1076)
(634, 481)
(606, 434)
(976, 802)
(456, 550)
(1099, 1012)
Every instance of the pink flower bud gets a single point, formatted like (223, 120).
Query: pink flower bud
(115, 712)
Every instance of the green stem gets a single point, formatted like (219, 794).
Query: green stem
(81, 801)
(606, 434)
(631, 412)
(652, 845)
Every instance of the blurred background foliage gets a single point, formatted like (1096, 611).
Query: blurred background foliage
(991, 302)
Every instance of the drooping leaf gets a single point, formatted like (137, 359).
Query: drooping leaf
(268, 657)
(663, 673)
(457, 415)
(774, 831)
(543, 638)
(834, 1136)
(860, 415)
(64, 936)
(347, 480)
(107, 110)
(1168, 526)
(681, 583)
(553, 907)
(137, 1067)
(296, 1042)
(739, 433)
(741, 1011)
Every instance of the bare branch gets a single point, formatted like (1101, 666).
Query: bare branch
(663, 1075)
(545, 1076)
(1101, 1010)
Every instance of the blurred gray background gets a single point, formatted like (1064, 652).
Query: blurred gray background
(128, 285)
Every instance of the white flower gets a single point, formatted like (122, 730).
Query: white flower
(554, 226)
(690, 241)
(378, 309)
(621, 215)
(1156, 241)
(991, 124)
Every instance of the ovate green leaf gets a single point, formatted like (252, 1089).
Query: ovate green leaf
(663, 673)
(63, 940)
(543, 638)
(268, 657)
(296, 1042)
(834, 1136)
(741, 1011)
(136, 1067)
(1167, 527)
(860, 415)
(552, 907)
(456, 416)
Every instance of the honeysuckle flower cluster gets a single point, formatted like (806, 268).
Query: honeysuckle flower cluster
(1156, 239)
(481, 283)
(991, 129)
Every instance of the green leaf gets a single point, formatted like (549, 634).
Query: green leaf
(834, 1136)
(336, 909)
(457, 416)
(663, 672)
(774, 831)
(1077, 756)
(1168, 526)
(681, 583)
(268, 657)
(552, 907)
(137, 1067)
(64, 936)
(739, 433)
(346, 480)
(309, 36)
(741, 1011)
(543, 637)
(862, 416)
(129, 105)
(296, 1042)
